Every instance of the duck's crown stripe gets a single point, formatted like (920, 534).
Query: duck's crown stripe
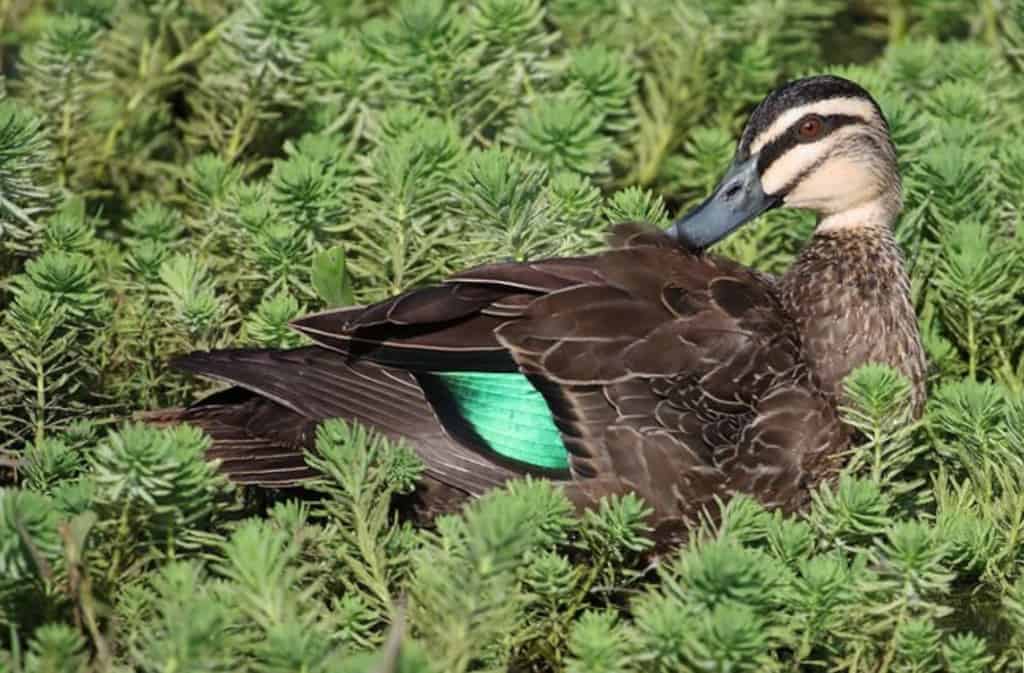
(847, 107)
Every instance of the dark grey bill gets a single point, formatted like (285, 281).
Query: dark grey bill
(737, 199)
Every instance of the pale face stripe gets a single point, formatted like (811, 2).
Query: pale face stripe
(854, 107)
(791, 164)
(788, 167)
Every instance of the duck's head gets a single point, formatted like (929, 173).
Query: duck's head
(819, 143)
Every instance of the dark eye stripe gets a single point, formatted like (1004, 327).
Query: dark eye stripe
(790, 138)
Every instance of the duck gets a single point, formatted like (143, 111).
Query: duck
(652, 367)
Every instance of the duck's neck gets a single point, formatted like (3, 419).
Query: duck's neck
(850, 294)
(881, 213)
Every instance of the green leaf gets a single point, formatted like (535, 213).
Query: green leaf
(330, 277)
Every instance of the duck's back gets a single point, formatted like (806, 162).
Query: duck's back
(718, 379)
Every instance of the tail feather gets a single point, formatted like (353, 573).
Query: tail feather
(264, 456)
(261, 425)
(316, 383)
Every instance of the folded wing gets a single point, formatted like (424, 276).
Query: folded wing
(675, 375)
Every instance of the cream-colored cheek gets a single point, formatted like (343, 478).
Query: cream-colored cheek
(791, 164)
(836, 185)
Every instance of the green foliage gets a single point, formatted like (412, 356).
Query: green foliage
(565, 134)
(361, 472)
(57, 647)
(60, 67)
(157, 484)
(186, 624)
(892, 450)
(253, 74)
(178, 175)
(466, 593)
(330, 277)
(30, 547)
(25, 178)
(513, 206)
(268, 326)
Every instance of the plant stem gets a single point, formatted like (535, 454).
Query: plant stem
(897, 21)
(40, 415)
(236, 143)
(121, 538)
(244, 127)
(802, 652)
(195, 51)
(972, 349)
(890, 648)
(991, 18)
(65, 145)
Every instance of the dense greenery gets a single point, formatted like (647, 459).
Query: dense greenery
(194, 173)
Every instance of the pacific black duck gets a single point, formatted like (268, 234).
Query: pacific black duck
(651, 367)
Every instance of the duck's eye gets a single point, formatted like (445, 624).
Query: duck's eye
(810, 127)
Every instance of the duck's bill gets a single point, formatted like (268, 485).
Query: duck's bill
(737, 199)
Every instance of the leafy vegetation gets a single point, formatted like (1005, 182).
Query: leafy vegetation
(195, 173)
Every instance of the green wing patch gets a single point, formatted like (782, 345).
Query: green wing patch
(508, 413)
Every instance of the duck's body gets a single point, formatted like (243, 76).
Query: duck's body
(681, 376)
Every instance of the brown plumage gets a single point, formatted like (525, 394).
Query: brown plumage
(681, 376)
(857, 310)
